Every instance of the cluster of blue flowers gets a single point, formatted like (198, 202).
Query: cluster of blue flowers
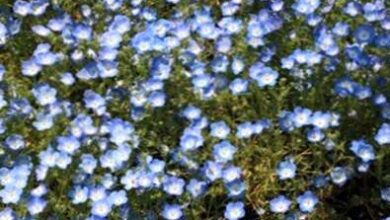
(218, 50)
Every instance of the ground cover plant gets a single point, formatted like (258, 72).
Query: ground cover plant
(185, 109)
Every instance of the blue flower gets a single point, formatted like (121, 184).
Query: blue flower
(382, 137)
(172, 212)
(15, 142)
(196, 187)
(219, 129)
(363, 150)
(307, 201)
(265, 76)
(280, 204)
(173, 185)
(286, 169)
(101, 208)
(118, 197)
(315, 135)
(306, 6)
(79, 194)
(234, 210)
(36, 205)
(212, 170)
(68, 144)
(224, 151)
(364, 34)
(340, 175)
(238, 86)
(44, 94)
(10, 194)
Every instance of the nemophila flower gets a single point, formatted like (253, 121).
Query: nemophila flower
(3, 34)
(306, 6)
(143, 42)
(265, 76)
(130, 179)
(286, 169)
(244, 130)
(313, 19)
(110, 39)
(341, 29)
(20, 107)
(237, 65)
(259, 126)
(363, 150)
(364, 34)
(11, 194)
(41, 172)
(43, 121)
(36, 205)
(173, 185)
(120, 131)
(118, 198)
(39, 191)
(101, 208)
(41, 30)
(108, 54)
(280, 204)
(382, 136)
(15, 142)
(339, 175)
(68, 144)
(385, 194)
(234, 210)
(7, 214)
(22, 8)
(212, 170)
(363, 167)
(97, 193)
(321, 120)
(113, 4)
(353, 8)
(191, 112)
(224, 151)
(196, 187)
(192, 139)
(157, 99)
(108, 181)
(171, 212)
(2, 72)
(146, 180)
(156, 165)
(324, 40)
(13, 26)
(44, 94)
(315, 135)
(219, 129)
(79, 194)
(235, 189)
(48, 157)
(307, 201)
(301, 117)
(31, 67)
(67, 79)
(63, 160)
(94, 101)
(88, 163)
(2, 126)
(120, 24)
(238, 86)
(231, 173)
(374, 11)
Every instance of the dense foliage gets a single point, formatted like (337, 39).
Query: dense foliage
(182, 109)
